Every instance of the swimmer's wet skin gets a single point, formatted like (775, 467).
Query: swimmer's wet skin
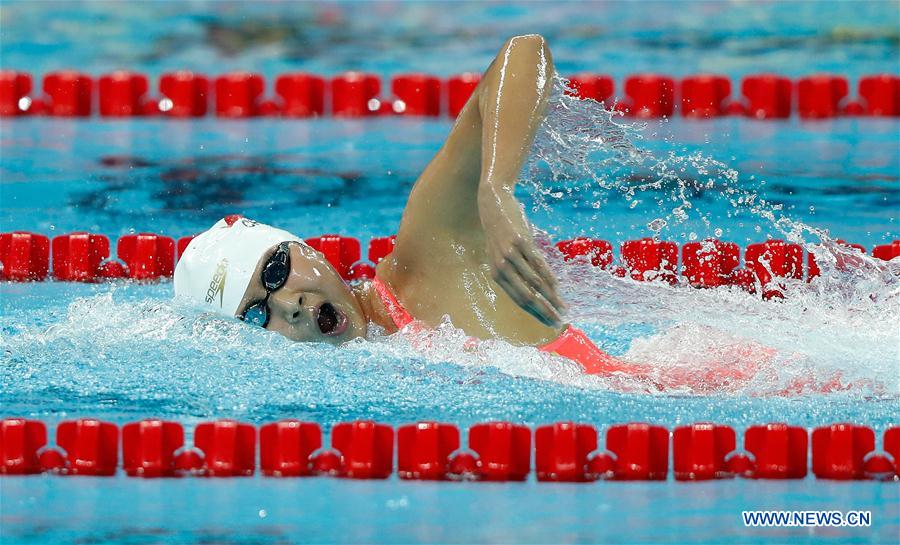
(464, 248)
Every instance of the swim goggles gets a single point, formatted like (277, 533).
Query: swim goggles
(274, 275)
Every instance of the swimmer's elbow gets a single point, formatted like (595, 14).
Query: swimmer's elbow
(528, 53)
(534, 41)
(528, 45)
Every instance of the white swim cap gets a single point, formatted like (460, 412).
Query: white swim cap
(216, 267)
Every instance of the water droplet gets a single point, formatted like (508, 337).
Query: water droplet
(657, 224)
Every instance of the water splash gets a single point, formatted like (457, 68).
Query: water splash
(842, 324)
(127, 351)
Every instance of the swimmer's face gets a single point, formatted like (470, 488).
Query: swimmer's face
(314, 304)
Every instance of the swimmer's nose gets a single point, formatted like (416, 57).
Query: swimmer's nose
(294, 306)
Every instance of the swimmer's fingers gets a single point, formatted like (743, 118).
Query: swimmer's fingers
(538, 263)
(528, 273)
(536, 260)
(524, 296)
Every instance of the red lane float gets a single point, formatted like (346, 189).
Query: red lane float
(182, 244)
(704, 95)
(417, 95)
(699, 451)
(239, 94)
(366, 449)
(342, 252)
(77, 256)
(641, 450)
(91, 446)
(768, 96)
(500, 451)
(148, 448)
(424, 449)
(648, 259)
(20, 441)
(14, 90)
(820, 96)
(83, 256)
(503, 451)
(286, 447)
(24, 256)
(887, 252)
(147, 256)
(112, 270)
(892, 446)
(879, 467)
(839, 451)
(355, 94)
(562, 452)
(122, 94)
(593, 86)
(69, 93)
(649, 96)
(326, 462)
(598, 252)
(710, 263)
(301, 94)
(459, 89)
(779, 451)
(739, 464)
(381, 247)
(361, 271)
(228, 447)
(744, 279)
(774, 259)
(463, 467)
(184, 94)
(880, 95)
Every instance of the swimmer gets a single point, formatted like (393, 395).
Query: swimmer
(464, 248)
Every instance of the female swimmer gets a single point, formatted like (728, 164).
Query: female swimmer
(464, 248)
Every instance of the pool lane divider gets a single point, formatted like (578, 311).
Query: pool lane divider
(496, 451)
(711, 263)
(184, 94)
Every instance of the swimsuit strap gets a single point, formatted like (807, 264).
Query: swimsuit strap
(396, 311)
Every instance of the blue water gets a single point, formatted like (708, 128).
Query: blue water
(733, 38)
(122, 352)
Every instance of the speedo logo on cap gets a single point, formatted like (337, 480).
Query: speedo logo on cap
(217, 284)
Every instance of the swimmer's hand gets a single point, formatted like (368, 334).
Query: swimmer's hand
(516, 264)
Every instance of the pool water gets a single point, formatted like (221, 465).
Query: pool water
(121, 351)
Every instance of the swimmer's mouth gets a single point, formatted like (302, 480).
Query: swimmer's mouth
(331, 321)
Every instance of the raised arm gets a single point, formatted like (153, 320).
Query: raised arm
(466, 194)
(512, 105)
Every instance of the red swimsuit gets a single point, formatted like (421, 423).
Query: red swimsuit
(572, 343)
